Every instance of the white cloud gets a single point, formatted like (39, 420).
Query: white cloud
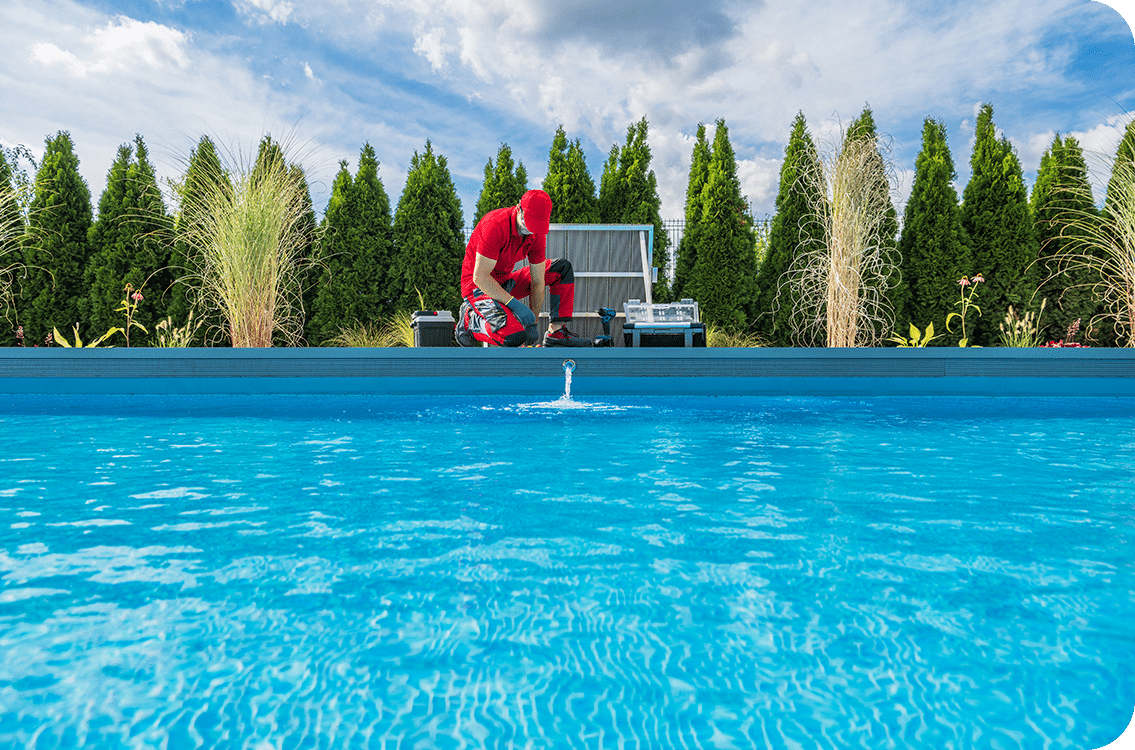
(122, 45)
(429, 45)
(278, 11)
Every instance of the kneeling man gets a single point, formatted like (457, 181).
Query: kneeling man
(491, 289)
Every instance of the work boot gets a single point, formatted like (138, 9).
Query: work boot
(564, 337)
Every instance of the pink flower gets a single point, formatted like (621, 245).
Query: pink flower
(137, 297)
(978, 279)
(963, 281)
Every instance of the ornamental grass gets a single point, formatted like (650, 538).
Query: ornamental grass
(11, 232)
(245, 231)
(398, 330)
(840, 286)
(1104, 246)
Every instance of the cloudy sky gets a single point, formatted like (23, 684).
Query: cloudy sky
(327, 75)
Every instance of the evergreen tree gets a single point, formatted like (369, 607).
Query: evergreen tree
(688, 246)
(569, 184)
(358, 245)
(129, 246)
(995, 214)
(723, 280)
(886, 237)
(1061, 203)
(791, 231)
(429, 237)
(1125, 153)
(310, 267)
(628, 194)
(202, 174)
(58, 248)
(505, 184)
(934, 248)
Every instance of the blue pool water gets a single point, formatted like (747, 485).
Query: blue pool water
(325, 572)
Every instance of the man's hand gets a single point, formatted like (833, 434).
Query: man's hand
(522, 313)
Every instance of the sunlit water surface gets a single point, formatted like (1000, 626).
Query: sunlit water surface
(322, 572)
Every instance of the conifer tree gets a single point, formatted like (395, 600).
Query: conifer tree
(569, 184)
(310, 268)
(1124, 153)
(688, 246)
(358, 249)
(58, 249)
(934, 248)
(203, 172)
(504, 185)
(886, 236)
(1061, 202)
(995, 214)
(129, 246)
(791, 231)
(429, 237)
(723, 280)
(628, 194)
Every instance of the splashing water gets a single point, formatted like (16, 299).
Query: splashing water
(569, 368)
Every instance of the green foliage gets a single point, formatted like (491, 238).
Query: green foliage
(61, 340)
(129, 244)
(57, 248)
(917, 338)
(204, 176)
(569, 184)
(995, 215)
(688, 246)
(358, 252)
(309, 256)
(792, 232)
(505, 184)
(725, 268)
(628, 194)
(934, 248)
(428, 236)
(1062, 197)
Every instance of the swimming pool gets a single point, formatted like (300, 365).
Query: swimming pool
(632, 572)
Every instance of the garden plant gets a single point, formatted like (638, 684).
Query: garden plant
(246, 232)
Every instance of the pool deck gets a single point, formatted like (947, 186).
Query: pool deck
(598, 372)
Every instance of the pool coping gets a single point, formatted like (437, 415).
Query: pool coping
(540, 372)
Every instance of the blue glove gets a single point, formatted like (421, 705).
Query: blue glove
(524, 314)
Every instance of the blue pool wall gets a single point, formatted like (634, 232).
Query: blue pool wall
(598, 372)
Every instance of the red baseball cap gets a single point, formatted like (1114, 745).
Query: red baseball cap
(537, 208)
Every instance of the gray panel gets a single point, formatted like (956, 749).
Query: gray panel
(626, 254)
(622, 290)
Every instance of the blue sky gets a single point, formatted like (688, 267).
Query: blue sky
(327, 75)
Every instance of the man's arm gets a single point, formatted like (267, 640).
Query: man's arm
(483, 279)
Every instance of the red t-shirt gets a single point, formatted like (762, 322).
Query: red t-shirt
(497, 238)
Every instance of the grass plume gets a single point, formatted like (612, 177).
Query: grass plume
(840, 287)
(246, 235)
(1104, 247)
